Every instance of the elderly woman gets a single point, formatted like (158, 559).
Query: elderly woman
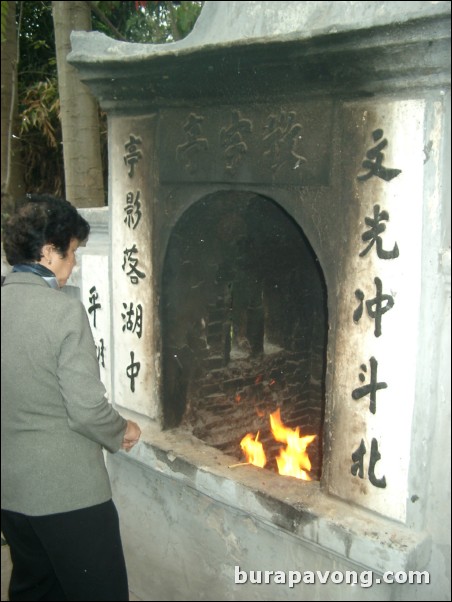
(57, 513)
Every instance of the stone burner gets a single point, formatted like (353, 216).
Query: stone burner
(277, 211)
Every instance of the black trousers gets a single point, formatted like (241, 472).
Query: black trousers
(68, 556)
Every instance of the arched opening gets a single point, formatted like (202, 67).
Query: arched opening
(244, 324)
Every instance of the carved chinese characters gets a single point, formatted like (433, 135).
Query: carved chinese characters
(96, 298)
(376, 307)
(131, 269)
(375, 363)
(261, 144)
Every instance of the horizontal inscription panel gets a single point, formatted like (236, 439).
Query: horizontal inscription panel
(254, 144)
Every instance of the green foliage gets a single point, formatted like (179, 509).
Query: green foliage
(187, 14)
(37, 60)
(39, 106)
(40, 135)
(145, 27)
(40, 110)
(156, 23)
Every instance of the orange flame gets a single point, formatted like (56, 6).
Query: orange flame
(293, 461)
(253, 449)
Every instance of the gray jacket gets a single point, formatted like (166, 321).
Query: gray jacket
(55, 416)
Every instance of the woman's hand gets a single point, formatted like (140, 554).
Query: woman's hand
(131, 436)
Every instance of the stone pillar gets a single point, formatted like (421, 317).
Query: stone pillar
(374, 371)
(131, 200)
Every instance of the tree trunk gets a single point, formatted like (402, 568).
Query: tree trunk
(79, 113)
(12, 167)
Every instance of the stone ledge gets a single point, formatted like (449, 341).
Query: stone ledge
(223, 24)
(302, 509)
(410, 53)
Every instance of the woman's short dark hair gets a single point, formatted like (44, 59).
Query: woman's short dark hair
(42, 219)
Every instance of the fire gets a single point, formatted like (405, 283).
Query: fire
(253, 450)
(292, 461)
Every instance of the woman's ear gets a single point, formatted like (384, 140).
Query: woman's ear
(46, 254)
